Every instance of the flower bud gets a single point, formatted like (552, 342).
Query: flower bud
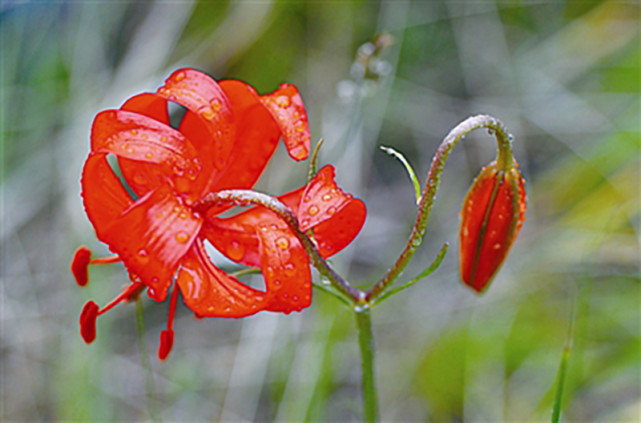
(492, 215)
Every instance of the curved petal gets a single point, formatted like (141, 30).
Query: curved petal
(210, 127)
(286, 106)
(336, 220)
(256, 138)
(210, 292)
(103, 195)
(152, 236)
(148, 104)
(236, 236)
(335, 217)
(285, 267)
(135, 137)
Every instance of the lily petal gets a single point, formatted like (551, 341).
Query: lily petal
(152, 236)
(335, 217)
(210, 292)
(287, 108)
(148, 104)
(107, 203)
(210, 127)
(256, 138)
(285, 268)
(236, 237)
(336, 220)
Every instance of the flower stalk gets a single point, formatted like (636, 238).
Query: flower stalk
(504, 147)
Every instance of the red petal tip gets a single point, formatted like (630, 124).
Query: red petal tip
(166, 343)
(79, 264)
(88, 317)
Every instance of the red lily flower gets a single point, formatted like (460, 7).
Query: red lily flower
(492, 215)
(147, 216)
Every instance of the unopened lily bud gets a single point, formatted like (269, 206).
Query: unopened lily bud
(492, 215)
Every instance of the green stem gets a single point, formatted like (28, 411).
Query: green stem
(366, 346)
(146, 364)
(504, 145)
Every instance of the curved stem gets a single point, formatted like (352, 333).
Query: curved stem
(504, 160)
(366, 346)
(144, 358)
(244, 197)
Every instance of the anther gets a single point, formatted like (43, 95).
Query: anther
(81, 261)
(88, 317)
(79, 264)
(167, 335)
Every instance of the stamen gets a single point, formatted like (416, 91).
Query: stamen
(88, 317)
(130, 292)
(167, 335)
(91, 311)
(81, 261)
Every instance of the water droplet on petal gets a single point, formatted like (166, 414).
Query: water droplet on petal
(497, 246)
(179, 76)
(283, 101)
(282, 243)
(307, 198)
(236, 251)
(149, 156)
(208, 113)
(312, 210)
(331, 210)
(182, 237)
(327, 197)
(143, 256)
(215, 104)
(277, 282)
(134, 132)
(295, 298)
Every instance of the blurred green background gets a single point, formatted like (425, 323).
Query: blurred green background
(564, 78)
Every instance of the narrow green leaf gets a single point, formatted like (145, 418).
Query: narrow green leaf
(435, 264)
(563, 366)
(408, 168)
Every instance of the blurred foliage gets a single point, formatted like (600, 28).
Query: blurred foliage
(563, 76)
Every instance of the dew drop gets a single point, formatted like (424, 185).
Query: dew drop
(277, 282)
(500, 217)
(466, 232)
(283, 101)
(312, 210)
(331, 210)
(289, 267)
(285, 296)
(183, 215)
(179, 76)
(149, 156)
(208, 113)
(327, 197)
(295, 298)
(134, 132)
(140, 178)
(215, 104)
(282, 243)
(227, 308)
(143, 255)
(182, 237)
(307, 198)
(497, 246)
(155, 279)
(236, 251)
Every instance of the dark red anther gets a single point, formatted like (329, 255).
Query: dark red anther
(79, 264)
(88, 317)
(166, 342)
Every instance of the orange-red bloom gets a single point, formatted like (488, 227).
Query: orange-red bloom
(492, 215)
(145, 210)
